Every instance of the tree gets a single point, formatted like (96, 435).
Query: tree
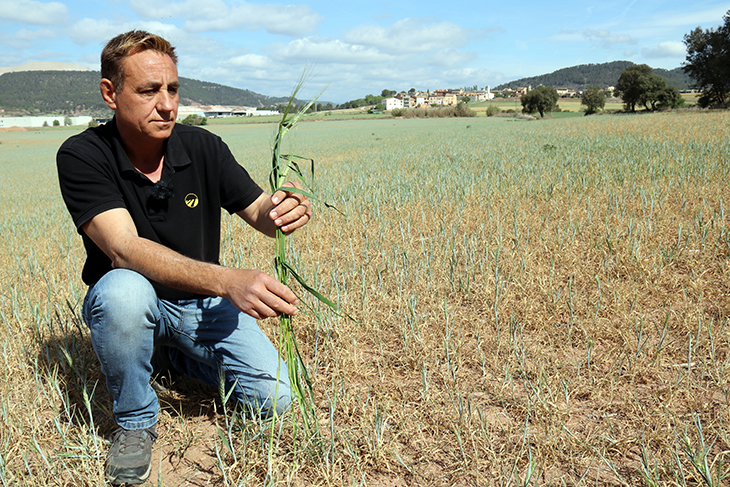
(594, 99)
(640, 85)
(708, 62)
(372, 99)
(67, 121)
(632, 83)
(388, 93)
(669, 97)
(655, 84)
(56, 123)
(542, 99)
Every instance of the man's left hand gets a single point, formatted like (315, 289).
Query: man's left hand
(291, 210)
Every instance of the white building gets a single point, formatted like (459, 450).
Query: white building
(392, 103)
(221, 112)
(28, 122)
(482, 95)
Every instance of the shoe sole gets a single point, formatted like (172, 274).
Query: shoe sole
(123, 479)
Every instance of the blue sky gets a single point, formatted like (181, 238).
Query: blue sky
(362, 47)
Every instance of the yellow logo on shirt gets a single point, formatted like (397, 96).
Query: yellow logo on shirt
(191, 200)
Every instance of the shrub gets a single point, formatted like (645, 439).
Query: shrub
(492, 110)
(460, 110)
(194, 119)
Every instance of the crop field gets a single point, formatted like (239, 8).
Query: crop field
(540, 303)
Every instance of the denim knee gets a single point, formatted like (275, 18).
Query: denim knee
(125, 299)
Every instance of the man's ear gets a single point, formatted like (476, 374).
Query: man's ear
(108, 94)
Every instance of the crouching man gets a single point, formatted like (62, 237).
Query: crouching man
(146, 196)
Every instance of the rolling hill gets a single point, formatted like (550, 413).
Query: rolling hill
(604, 75)
(77, 93)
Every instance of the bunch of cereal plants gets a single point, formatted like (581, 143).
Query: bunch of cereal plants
(283, 167)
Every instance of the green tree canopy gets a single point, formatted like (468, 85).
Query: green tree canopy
(594, 99)
(669, 97)
(542, 99)
(639, 85)
(632, 83)
(708, 62)
(194, 119)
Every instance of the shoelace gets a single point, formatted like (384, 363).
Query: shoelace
(131, 441)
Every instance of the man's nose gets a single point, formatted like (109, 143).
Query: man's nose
(165, 101)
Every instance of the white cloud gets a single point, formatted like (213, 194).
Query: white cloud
(25, 35)
(254, 61)
(469, 76)
(448, 58)
(21, 41)
(156, 9)
(291, 20)
(665, 50)
(409, 36)
(606, 38)
(31, 12)
(328, 51)
(87, 30)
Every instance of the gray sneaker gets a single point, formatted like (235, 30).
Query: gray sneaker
(130, 456)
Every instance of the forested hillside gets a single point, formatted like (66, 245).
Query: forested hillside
(604, 75)
(77, 93)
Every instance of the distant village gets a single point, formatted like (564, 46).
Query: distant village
(404, 99)
(409, 99)
(438, 98)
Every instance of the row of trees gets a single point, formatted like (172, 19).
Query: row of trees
(369, 99)
(708, 63)
(638, 84)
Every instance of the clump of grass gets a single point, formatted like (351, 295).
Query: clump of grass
(283, 167)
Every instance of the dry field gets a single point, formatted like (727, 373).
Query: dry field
(540, 303)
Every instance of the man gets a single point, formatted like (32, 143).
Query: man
(146, 196)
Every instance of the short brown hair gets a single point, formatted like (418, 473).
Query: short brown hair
(128, 44)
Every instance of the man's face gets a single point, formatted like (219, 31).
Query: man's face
(146, 106)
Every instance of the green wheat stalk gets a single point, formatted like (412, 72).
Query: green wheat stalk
(283, 167)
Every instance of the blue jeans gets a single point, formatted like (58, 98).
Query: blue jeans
(132, 329)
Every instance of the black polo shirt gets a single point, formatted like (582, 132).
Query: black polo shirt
(182, 211)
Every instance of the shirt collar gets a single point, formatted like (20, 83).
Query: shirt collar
(175, 154)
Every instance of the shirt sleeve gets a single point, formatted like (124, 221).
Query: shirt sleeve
(237, 189)
(87, 184)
